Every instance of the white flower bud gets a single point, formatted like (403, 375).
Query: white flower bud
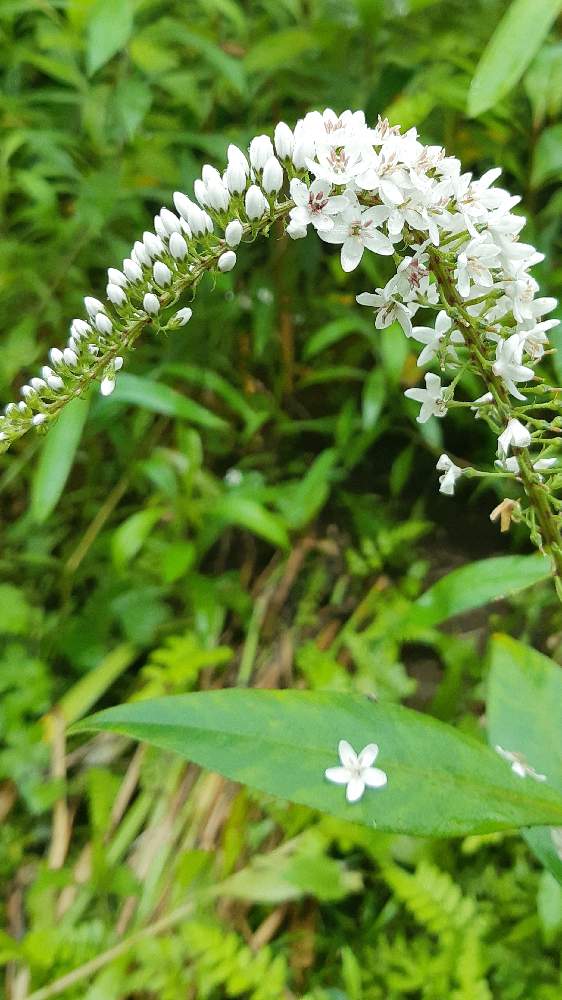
(182, 316)
(56, 356)
(103, 323)
(272, 178)
(153, 244)
(73, 343)
(160, 228)
(210, 174)
(178, 246)
(235, 155)
(255, 202)
(227, 261)
(183, 204)
(151, 304)
(140, 254)
(261, 149)
(235, 178)
(118, 363)
(132, 269)
(38, 419)
(38, 384)
(93, 349)
(171, 221)
(284, 141)
(70, 357)
(115, 294)
(79, 328)
(233, 233)
(53, 381)
(107, 385)
(117, 277)
(93, 306)
(200, 191)
(185, 229)
(27, 390)
(218, 195)
(162, 273)
(22, 407)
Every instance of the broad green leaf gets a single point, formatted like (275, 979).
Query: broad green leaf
(56, 459)
(511, 48)
(277, 50)
(547, 158)
(440, 782)
(374, 392)
(524, 713)
(109, 28)
(131, 535)
(233, 508)
(335, 331)
(478, 583)
(159, 398)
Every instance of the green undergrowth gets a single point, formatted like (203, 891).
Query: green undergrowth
(275, 535)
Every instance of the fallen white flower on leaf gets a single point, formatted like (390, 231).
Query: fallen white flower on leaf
(356, 771)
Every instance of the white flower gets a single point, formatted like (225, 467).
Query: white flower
(432, 337)
(132, 269)
(93, 306)
(170, 221)
(295, 231)
(431, 398)
(356, 229)
(117, 277)
(519, 764)
(233, 233)
(514, 436)
(508, 366)
(107, 385)
(218, 195)
(314, 205)
(140, 255)
(356, 771)
(152, 244)
(511, 464)
(103, 323)
(227, 261)
(272, 177)
(388, 308)
(337, 165)
(451, 473)
(255, 202)
(473, 265)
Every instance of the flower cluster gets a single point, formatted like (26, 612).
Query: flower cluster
(453, 247)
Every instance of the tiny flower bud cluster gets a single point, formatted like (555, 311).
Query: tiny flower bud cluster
(454, 247)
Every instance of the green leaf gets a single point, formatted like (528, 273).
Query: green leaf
(478, 583)
(56, 459)
(440, 782)
(279, 49)
(109, 29)
(335, 331)
(232, 508)
(524, 713)
(511, 48)
(547, 158)
(131, 535)
(159, 398)
(374, 392)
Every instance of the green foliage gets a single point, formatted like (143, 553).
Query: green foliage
(272, 417)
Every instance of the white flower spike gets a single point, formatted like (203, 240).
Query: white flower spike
(356, 771)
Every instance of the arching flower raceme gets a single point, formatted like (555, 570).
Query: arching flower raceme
(452, 250)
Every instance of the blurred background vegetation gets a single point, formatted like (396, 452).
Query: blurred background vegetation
(255, 505)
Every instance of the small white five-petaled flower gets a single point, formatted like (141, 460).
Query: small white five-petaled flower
(356, 771)
(519, 765)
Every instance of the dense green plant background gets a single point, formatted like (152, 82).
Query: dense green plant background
(272, 535)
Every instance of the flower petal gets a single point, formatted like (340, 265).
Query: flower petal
(351, 253)
(368, 755)
(339, 775)
(355, 789)
(347, 754)
(373, 777)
